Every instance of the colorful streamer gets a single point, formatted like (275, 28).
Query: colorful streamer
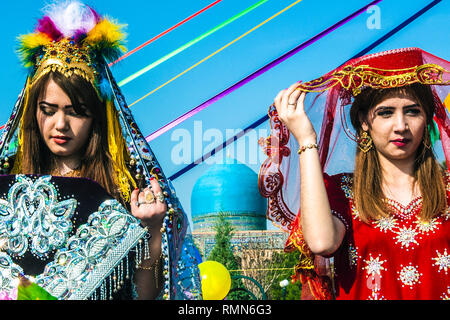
(252, 76)
(189, 44)
(266, 117)
(220, 147)
(216, 52)
(164, 32)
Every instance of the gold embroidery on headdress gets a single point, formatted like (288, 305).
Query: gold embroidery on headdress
(355, 78)
(67, 58)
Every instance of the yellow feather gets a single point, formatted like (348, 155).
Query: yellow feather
(29, 42)
(108, 31)
(33, 40)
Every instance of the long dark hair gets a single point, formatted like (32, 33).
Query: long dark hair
(96, 162)
(367, 190)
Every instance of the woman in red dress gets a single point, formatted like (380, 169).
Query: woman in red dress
(385, 228)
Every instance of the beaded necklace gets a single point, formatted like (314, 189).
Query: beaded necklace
(404, 212)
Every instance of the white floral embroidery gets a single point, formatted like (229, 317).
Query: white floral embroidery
(406, 236)
(386, 223)
(33, 216)
(442, 261)
(409, 275)
(374, 266)
(427, 226)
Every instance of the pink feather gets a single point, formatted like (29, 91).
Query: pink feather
(46, 25)
(96, 15)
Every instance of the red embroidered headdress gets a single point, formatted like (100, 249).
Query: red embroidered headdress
(328, 104)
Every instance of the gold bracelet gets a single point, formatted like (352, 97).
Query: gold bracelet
(155, 265)
(308, 146)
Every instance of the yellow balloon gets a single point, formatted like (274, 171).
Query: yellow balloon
(216, 280)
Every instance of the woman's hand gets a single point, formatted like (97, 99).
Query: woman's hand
(149, 206)
(291, 111)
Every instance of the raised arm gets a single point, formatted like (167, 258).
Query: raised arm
(321, 230)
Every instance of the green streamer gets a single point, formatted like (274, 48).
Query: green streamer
(190, 43)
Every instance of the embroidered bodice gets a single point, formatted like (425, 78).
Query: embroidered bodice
(69, 235)
(395, 257)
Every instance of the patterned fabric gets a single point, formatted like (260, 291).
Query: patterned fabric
(38, 225)
(327, 104)
(70, 236)
(395, 258)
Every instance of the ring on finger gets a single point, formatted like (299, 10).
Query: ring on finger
(149, 196)
(140, 202)
(160, 197)
(292, 104)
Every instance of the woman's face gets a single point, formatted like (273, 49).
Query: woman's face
(64, 131)
(396, 126)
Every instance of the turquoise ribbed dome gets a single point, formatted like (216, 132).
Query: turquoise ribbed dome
(231, 188)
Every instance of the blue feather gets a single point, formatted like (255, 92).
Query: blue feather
(104, 88)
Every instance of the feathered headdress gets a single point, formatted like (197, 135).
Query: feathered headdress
(73, 39)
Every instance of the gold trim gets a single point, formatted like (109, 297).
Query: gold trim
(354, 78)
(67, 58)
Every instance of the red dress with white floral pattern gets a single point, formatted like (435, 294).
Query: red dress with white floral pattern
(394, 258)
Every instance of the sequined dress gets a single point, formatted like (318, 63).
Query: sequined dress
(70, 236)
(395, 258)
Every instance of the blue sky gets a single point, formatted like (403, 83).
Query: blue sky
(146, 19)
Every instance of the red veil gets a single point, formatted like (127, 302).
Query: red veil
(328, 104)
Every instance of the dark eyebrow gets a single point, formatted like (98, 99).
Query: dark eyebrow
(54, 105)
(412, 106)
(383, 108)
(415, 105)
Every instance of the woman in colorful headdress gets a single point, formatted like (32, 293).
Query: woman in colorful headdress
(86, 210)
(382, 231)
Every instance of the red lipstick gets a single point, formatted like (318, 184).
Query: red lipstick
(61, 139)
(400, 142)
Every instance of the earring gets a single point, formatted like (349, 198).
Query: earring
(365, 142)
